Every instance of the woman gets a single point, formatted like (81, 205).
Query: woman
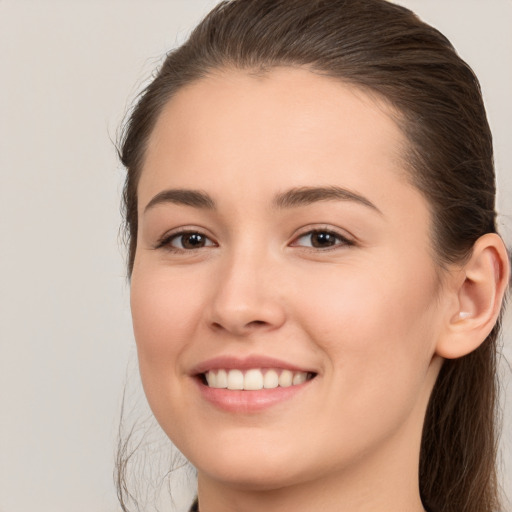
(316, 278)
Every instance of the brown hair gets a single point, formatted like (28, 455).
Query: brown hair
(386, 50)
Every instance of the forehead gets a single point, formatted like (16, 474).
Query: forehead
(287, 126)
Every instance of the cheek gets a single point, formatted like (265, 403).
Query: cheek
(377, 328)
(165, 313)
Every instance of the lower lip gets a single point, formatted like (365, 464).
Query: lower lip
(249, 401)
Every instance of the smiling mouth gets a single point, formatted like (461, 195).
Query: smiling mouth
(254, 379)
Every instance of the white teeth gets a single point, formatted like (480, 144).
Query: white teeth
(235, 379)
(222, 379)
(211, 378)
(254, 379)
(286, 378)
(271, 380)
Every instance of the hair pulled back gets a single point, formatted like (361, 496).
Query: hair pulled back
(386, 50)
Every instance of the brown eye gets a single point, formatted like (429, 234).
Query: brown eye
(189, 241)
(192, 241)
(321, 240)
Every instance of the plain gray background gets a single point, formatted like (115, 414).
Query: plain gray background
(69, 71)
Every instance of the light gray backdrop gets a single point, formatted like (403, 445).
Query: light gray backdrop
(69, 70)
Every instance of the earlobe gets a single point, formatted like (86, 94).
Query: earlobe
(480, 288)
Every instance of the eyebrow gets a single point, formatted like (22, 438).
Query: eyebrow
(303, 196)
(293, 198)
(186, 197)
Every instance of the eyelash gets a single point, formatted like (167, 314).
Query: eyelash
(339, 240)
(166, 241)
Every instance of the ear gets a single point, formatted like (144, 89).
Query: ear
(478, 291)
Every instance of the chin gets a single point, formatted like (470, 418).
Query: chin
(250, 468)
(246, 478)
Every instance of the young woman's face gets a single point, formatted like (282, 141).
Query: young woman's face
(282, 250)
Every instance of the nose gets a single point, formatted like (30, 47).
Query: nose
(247, 297)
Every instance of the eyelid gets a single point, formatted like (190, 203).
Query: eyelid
(345, 239)
(164, 242)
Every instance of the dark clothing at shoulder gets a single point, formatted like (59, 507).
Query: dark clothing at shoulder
(195, 506)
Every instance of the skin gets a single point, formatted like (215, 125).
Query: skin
(365, 316)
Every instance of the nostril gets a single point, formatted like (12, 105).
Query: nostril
(253, 324)
(256, 323)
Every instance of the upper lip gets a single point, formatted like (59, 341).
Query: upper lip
(246, 363)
